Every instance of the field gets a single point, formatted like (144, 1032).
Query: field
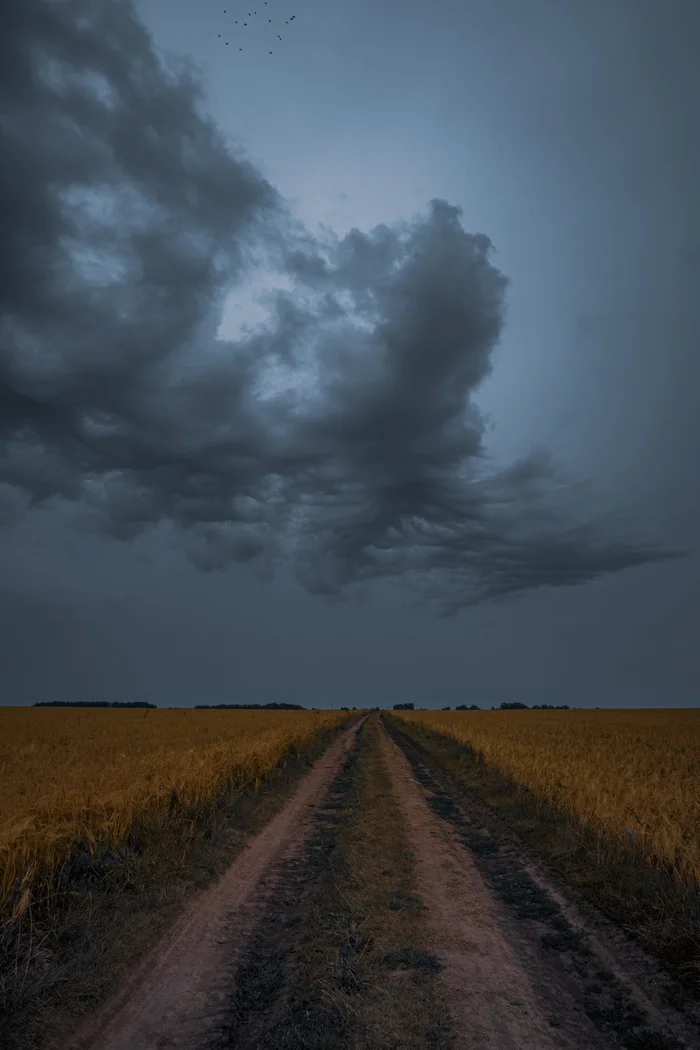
(632, 774)
(296, 880)
(69, 774)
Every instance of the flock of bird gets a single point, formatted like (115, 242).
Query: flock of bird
(288, 21)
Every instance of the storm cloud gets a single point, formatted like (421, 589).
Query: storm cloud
(341, 437)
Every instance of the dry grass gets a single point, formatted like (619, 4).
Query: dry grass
(75, 775)
(632, 774)
(96, 916)
(405, 1003)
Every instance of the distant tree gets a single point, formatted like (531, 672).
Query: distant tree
(132, 703)
(535, 707)
(94, 703)
(345, 709)
(402, 707)
(474, 707)
(445, 708)
(249, 707)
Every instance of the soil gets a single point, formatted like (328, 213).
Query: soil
(382, 909)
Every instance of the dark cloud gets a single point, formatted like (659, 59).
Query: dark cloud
(340, 437)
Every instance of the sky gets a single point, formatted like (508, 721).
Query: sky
(358, 366)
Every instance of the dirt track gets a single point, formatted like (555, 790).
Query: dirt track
(492, 998)
(521, 969)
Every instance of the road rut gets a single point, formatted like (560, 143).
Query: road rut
(181, 988)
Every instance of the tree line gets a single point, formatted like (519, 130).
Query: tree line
(93, 703)
(515, 706)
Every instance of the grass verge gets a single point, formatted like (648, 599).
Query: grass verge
(104, 908)
(661, 913)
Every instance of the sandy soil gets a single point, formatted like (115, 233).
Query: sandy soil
(182, 986)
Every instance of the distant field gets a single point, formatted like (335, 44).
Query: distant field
(635, 774)
(68, 774)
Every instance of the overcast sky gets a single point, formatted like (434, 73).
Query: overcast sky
(361, 371)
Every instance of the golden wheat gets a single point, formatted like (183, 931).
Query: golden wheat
(68, 774)
(633, 773)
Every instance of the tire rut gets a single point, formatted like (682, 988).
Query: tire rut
(180, 993)
(525, 971)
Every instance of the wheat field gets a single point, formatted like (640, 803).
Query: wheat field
(70, 774)
(632, 773)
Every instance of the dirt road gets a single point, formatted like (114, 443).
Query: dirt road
(379, 909)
